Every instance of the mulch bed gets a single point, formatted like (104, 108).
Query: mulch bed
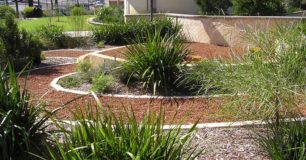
(198, 49)
(190, 110)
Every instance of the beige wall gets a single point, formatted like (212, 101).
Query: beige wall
(162, 6)
(225, 31)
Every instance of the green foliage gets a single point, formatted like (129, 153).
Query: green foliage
(100, 134)
(70, 81)
(32, 12)
(286, 140)
(259, 7)
(101, 82)
(52, 36)
(156, 62)
(204, 78)
(77, 11)
(122, 34)
(84, 66)
(22, 128)
(213, 7)
(18, 47)
(110, 15)
(273, 77)
(5, 10)
(100, 44)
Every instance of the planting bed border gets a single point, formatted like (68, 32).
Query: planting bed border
(54, 84)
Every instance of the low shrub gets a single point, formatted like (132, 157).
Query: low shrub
(70, 81)
(101, 82)
(110, 15)
(23, 127)
(102, 135)
(100, 44)
(32, 12)
(84, 66)
(286, 140)
(122, 34)
(18, 47)
(52, 36)
(156, 62)
(5, 10)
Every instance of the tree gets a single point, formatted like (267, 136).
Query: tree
(213, 7)
(259, 7)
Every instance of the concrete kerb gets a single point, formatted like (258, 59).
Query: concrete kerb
(237, 124)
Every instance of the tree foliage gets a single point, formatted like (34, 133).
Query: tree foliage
(213, 7)
(259, 7)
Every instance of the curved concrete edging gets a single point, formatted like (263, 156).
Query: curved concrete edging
(92, 21)
(207, 125)
(54, 84)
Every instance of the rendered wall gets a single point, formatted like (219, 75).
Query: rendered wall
(223, 30)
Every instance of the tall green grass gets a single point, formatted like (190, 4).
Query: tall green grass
(104, 134)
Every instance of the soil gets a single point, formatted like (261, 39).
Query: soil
(206, 51)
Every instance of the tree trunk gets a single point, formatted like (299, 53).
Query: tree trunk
(17, 9)
(30, 2)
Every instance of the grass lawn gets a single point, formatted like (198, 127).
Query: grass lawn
(65, 21)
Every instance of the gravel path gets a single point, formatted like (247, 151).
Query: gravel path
(228, 144)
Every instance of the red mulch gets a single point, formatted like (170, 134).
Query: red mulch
(38, 84)
(200, 49)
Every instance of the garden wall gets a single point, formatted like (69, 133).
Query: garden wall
(223, 30)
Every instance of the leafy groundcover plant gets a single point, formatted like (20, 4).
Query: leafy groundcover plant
(22, 124)
(156, 63)
(100, 134)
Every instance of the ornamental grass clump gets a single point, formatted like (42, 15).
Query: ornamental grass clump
(23, 125)
(273, 78)
(102, 134)
(156, 63)
(287, 140)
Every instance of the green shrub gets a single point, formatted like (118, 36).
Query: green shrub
(110, 15)
(52, 36)
(84, 66)
(77, 11)
(100, 44)
(22, 128)
(20, 47)
(286, 140)
(102, 135)
(214, 7)
(121, 34)
(101, 82)
(32, 12)
(70, 81)
(5, 10)
(156, 62)
(258, 7)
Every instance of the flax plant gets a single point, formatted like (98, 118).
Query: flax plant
(102, 134)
